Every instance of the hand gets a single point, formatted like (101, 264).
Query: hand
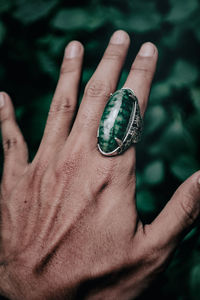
(69, 224)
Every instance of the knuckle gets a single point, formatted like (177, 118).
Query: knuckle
(10, 143)
(112, 54)
(98, 188)
(38, 168)
(6, 116)
(105, 171)
(128, 168)
(188, 208)
(13, 142)
(62, 105)
(69, 66)
(68, 167)
(97, 88)
(144, 71)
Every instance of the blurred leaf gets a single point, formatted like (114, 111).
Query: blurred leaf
(155, 118)
(53, 44)
(19, 111)
(145, 202)
(195, 280)
(154, 172)
(92, 45)
(160, 91)
(70, 19)
(193, 124)
(42, 104)
(45, 40)
(5, 5)
(183, 74)
(171, 37)
(47, 64)
(57, 45)
(30, 11)
(142, 18)
(77, 18)
(139, 180)
(196, 25)
(195, 96)
(184, 166)
(176, 140)
(181, 10)
(190, 234)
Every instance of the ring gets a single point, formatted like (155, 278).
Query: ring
(121, 123)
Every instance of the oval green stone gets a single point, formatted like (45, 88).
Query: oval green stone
(115, 120)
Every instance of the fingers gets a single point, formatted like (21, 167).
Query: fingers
(64, 103)
(179, 215)
(104, 81)
(98, 89)
(15, 149)
(142, 73)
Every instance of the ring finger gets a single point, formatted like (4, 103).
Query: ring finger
(139, 80)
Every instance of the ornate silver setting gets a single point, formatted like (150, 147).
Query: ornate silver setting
(133, 132)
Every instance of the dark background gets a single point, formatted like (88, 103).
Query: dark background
(33, 35)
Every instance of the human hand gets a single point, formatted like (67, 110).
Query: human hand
(69, 224)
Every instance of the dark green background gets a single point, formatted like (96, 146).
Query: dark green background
(33, 35)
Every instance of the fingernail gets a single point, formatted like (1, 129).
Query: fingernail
(2, 100)
(73, 50)
(147, 49)
(119, 37)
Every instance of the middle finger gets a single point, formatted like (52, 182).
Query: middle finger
(98, 89)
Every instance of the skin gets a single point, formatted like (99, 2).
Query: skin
(69, 224)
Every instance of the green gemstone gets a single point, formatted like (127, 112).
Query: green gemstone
(115, 120)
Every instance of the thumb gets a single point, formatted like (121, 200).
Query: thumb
(180, 214)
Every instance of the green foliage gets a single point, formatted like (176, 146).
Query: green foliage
(77, 19)
(181, 10)
(28, 12)
(5, 5)
(184, 166)
(154, 172)
(33, 35)
(183, 74)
